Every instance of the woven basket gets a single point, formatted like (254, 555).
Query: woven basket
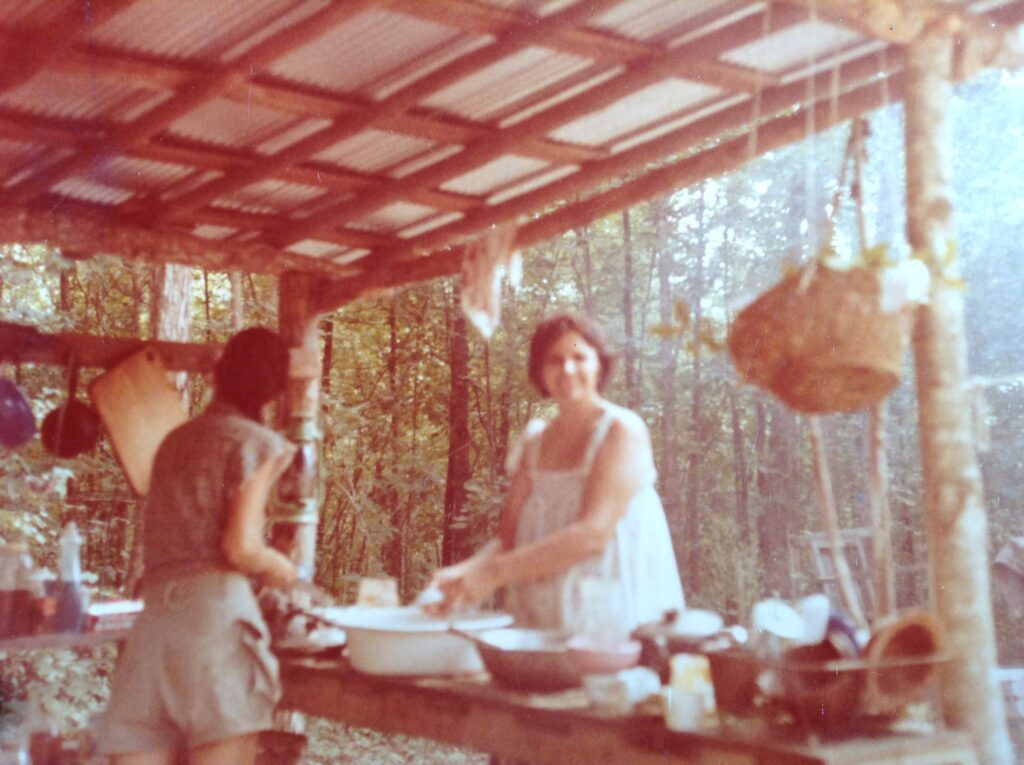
(820, 341)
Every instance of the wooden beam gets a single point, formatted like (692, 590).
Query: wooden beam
(83, 231)
(652, 69)
(398, 102)
(27, 345)
(292, 98)
(626, 163)
(721, 159)
(586, 42)
(199, 90)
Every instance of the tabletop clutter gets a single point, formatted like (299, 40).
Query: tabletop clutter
(801, 664)
(35, 602)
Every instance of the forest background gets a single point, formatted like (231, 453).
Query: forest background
(419, 411)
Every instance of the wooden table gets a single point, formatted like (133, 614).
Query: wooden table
(54, 641)
(561, 729)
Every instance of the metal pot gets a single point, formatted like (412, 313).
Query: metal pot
(406, 641)
(677, 632)
(526, 659)
(73, 428)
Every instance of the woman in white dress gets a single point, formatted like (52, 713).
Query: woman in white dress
(582, 520)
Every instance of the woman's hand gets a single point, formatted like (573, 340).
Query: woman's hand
(464, 586)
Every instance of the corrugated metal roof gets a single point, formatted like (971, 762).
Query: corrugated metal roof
(499, 172)
(649, 104)
(356, 55)
(193, 29)
(72, 96)
(493, 90)
(374, 150)
(281, 124)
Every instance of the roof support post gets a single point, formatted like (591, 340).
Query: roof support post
(956, 521)
(298, 509)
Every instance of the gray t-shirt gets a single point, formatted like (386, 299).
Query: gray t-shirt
(197, 470)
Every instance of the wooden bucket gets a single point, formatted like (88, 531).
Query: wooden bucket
(820, 342)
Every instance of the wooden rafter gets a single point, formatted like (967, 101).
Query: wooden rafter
(291, 98)
(395, 103)
(186, 99)
(712, 162)
(628, 162)
(650, 70)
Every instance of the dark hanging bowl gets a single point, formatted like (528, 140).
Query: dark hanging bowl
(79, 433)
(17, 423)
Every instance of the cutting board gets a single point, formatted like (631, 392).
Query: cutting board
(139, 405)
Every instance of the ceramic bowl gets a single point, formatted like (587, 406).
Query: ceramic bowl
(594, 656)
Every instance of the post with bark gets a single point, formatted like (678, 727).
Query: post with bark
(298, 509)
(956, 522)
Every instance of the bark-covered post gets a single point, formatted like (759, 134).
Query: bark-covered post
(954, 505)
(298, 506)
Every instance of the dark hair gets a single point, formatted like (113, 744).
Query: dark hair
(551, 329)
(252, 370)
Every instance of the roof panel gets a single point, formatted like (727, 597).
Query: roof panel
(636, 110)
(92, 192)
(82, 97)
(132, 173)
(193, 29)
(316, 248)
(395, 216)
(494, 89)
(794, 46)
(494, 174)
(654, 20)
(356, 55)
(223, 122)
(374, 150)
(271, 197)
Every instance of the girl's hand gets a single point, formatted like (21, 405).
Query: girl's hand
(463, 586)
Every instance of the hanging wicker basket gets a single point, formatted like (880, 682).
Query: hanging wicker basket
(820, 341)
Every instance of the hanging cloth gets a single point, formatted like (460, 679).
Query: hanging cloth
(484, 261)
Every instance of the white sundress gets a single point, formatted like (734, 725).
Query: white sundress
(637, 573)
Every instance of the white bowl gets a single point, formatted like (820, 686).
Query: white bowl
(407, 641)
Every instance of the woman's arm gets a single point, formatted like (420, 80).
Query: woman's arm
(243, 544)
(621, 465)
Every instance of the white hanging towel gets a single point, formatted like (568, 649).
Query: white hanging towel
(484, 261)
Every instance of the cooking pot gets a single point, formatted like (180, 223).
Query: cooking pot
(73, 428)
(526, 659)
(403, 640)
(677, 632)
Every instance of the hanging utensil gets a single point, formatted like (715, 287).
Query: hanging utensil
(74, 427)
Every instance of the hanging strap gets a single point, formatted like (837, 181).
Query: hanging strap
(600, 431)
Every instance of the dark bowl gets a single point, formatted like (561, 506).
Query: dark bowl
(78, 433)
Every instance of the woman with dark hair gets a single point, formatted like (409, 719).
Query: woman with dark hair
(197, 673)
(582, 519)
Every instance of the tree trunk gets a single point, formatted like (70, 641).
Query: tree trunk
(453, 541)
(629, 341)
(586, 276)
(776, 486)
(671, 490)
(392, 552)
(696, 450)
(237, 302)
(956, 523)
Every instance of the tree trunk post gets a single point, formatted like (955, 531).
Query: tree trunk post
(956, 522)
(298, 508)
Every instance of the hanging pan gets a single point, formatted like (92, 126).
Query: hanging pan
(74, 427)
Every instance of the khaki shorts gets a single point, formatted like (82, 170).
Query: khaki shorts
(197, 668)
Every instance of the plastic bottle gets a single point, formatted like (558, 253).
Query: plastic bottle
(16, 600)
(70, 603)
(9, 563)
